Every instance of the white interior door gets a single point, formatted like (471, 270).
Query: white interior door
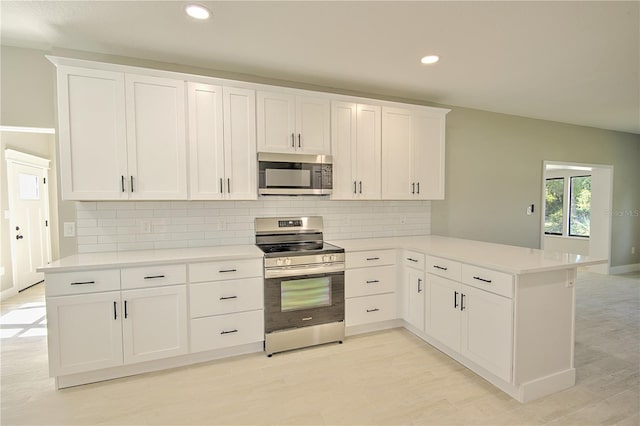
(29, 217)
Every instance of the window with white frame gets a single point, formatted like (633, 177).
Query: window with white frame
(568, 215)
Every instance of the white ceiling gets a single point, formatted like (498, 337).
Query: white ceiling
(576, 62)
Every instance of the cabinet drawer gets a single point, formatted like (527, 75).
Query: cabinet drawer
(225, 297)
(368, 281)
(224, 331)
(361, 259)
(370, 309)
(443, 267)
(486, 279)
(81, 282)
(153, 276)
(413, 259)
(225, 270)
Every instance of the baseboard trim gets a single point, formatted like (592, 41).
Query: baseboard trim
(10, 292)
(624, 269)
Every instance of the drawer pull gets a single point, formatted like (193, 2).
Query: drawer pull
(83, 282)
(419, 285)
(373, 310)
(228, 270)
(455, 299)
(412, 260)
(373, 258)
(462, 301)
(151, 277)
(482, 279)
(442, 268)
(126, 313)
(229, 332)
(228, 297)
(115, 311)
(373, 281)
(307, 318)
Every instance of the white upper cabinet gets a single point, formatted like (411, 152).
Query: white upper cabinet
(355, 144)
(413, 154)
(288, 123)
(122, 136)
(156, 138)
(222, 142)
(92, 134)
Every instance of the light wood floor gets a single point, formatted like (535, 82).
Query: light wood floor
(389, 377)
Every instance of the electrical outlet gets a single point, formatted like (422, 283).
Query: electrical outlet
(530, 209)
(69, 229)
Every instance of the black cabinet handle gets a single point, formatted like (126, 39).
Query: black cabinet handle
(412, 260)
(293, 140)
(228, 297)
(126, 314)
(455, 299)
(462, 301)
(482, 279)
(441, 268)
(229, 332)
(115, 311)
(151, 277)
(373, 258)
(373, 281)
(355, 186)
(418, 186)
(373, 310)
(122, 182)
(419, 286)
(361, 187)
(228, 270)
(413, 188)
(221, 188)
(229, 185)
(131, 183)
(83, 282)
(299, 143)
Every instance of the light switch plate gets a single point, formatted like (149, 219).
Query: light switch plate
(69, 229)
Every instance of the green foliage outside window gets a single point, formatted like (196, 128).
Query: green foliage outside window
(554, 200)
(580, 215)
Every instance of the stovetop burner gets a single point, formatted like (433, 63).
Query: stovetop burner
(298, 249)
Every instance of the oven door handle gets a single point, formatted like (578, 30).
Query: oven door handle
(301, 270)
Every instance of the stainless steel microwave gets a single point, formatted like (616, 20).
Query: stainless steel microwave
(294, 174)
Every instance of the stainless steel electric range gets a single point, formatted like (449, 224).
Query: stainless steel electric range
(303, 285)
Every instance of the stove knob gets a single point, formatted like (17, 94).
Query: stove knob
(333, 257)
(279, 261)
(287, 261)
(325, 258)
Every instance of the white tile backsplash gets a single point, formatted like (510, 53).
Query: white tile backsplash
(117, 226)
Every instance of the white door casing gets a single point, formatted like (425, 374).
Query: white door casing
(29, 217)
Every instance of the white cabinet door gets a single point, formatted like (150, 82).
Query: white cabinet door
(487, 330)
(156, 138)
(444, 310)
(428, 155)
(368, 152)
(206, 148)
(415, 293)
(312, 125)
(276, 122)
(343, 147)
(93, 138)
(240, 144)
(154, 324)
(84, 332)
(397, 155)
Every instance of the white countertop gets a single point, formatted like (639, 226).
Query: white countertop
(124, 259)
(500, 257)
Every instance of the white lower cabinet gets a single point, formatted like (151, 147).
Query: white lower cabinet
(222, 331)
(476, 323)
(154, 324)
(370, 309)
(84, 332)
(414, 291)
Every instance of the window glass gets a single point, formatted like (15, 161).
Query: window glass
(28, 186)
(580, 210)
(554, 199)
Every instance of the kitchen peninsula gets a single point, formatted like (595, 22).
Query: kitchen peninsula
(505, 312)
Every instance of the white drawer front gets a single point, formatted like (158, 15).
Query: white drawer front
(225, 297)
(370, 309)
(153, 276)
(361, 259)
(225, 270)
(81, 282)
(486, 279)
(224, 331)
(413, 259)
(443, 267)
(368, 281)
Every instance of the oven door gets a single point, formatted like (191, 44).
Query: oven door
(303, 300)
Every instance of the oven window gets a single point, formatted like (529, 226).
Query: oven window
(305, 293)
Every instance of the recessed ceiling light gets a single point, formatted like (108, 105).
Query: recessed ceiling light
(196, 11)
(430, 59)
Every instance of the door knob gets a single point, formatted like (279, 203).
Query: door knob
(17, 228)
(19, 237)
